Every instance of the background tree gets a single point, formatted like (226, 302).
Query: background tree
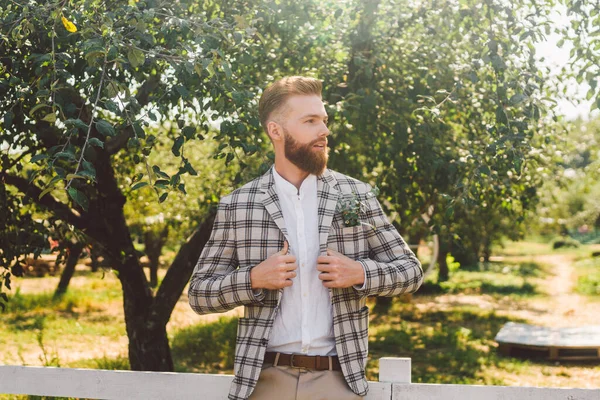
(80, 87)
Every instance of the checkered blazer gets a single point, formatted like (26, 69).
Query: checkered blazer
(249, 228)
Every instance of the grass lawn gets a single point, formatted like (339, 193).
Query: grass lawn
(446, 329)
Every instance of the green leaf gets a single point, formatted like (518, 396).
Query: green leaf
(111, 106)
(8, 119)
(65, 154)
(46, 191)
(189, 132)
(137, 128)
(136, 57)
(226, 69)
(162, 183)
(501, 116)
(77, 123)
(138, 176)
(37, 107)
(88, 169)
(74, 176)
(79, 198)
(133, 143)
(139, 185)
(485, 170)
(96, 142)
(338, 13)
(517, 99)
(188, 167)
(177, 146)
(159, 173)
(38, 157)
(237, 37)
(163, 197)
(49, 117)
(105, 128)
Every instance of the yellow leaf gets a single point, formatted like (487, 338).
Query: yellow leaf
(69, 25)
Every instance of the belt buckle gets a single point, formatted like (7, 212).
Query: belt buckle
(292, 361)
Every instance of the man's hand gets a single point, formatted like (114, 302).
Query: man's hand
(339, 271)
(275, 272)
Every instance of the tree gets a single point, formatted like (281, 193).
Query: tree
(80, 87)
(441, 105)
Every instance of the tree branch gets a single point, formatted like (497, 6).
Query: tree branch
(180, 271)
(47, 201)
(143, 97)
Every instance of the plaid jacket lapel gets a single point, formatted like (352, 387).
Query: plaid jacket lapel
(327, 197)
(271, 202)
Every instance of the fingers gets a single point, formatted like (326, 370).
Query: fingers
(325, 259)
(285, 248)
(332, 252)
(288, 266)
(324, 267)
(325, 277)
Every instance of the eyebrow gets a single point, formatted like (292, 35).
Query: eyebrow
(314, 116)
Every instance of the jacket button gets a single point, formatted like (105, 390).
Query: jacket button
(264, 342)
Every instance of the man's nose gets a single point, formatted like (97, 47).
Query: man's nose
(325, 131)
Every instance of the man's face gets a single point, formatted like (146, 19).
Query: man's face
(305, 133)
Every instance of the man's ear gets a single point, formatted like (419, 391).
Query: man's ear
(275, 131)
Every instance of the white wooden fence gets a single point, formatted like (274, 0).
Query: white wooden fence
(394, 383)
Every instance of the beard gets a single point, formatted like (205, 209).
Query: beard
(304, 156)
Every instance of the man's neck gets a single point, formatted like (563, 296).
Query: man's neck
(290, 172)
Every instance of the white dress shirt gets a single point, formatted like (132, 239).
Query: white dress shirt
(304, 322)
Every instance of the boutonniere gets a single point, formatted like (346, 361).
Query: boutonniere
(350, 207)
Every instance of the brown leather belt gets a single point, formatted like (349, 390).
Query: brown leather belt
(319, 363)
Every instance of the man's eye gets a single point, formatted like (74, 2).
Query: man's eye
(310, 121)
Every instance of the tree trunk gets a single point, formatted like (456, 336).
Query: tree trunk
(443, 274)
(74, 250)
(153, 244)
(94, 255)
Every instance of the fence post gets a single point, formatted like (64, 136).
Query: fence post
(394, 370)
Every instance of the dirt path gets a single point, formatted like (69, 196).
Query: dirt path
(561, 308)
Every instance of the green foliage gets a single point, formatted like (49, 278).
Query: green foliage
(493, 278)
(453, 346)
(571, 192)
(80, 84)
(208, 347)
(588, 276)
(565, 242)
(116, 363)
(582, 34)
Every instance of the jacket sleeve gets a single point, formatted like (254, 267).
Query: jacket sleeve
(392, 268)
(218, 284)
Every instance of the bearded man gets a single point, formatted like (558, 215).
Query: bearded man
(281, 247)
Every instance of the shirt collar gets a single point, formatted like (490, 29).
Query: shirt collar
(289, 189)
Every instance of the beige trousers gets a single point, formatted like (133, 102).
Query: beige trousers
(288, 383)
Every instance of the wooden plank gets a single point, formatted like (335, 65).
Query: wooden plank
(423, 391)
(523, 340)
(525, 334)
(131, 385)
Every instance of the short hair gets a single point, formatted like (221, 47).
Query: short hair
(275, 96)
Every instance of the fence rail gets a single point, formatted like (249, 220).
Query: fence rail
(394, 375)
